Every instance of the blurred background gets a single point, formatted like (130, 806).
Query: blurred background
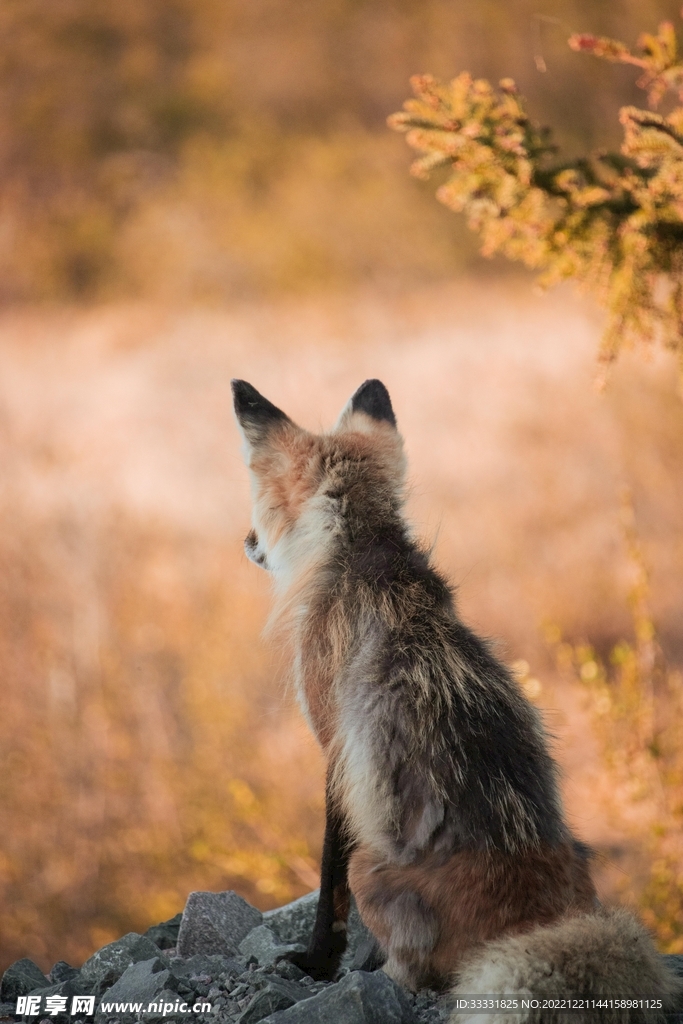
(192, 190)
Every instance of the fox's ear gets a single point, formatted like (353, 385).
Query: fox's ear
(372, 399)
(255, 414)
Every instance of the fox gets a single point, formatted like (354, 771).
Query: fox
(443, 816)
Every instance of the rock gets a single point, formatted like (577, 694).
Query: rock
(61, 972)
(200, 963)
(166, 999)
(262, 944)
(367, 956)
(21, 978)
(215, 922)
(143, 982)
(288, 971)
(165, 935)
(359, 998)
(674, 961)
(108, 964)
(70, 987)
(362, 952)
(74, 986)
(277, 994)
(294, 921)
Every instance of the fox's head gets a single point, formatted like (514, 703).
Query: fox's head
(310, 489)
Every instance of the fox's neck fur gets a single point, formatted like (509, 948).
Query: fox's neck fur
(339, 591)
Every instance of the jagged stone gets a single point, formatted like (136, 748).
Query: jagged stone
(142, 982)
(362, 952)
(201, 963)
(262, 944)
(165, 998)
(108, 964)
(74, 986)
(359, 998)
(674, 961)
(294, 921)
(165, 935)
(62, 971)
(19, 979)
(277, 994)
(367, 955)
(215, 922)
(289, 971)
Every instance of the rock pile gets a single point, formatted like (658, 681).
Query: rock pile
(225, 954)
(220, 961)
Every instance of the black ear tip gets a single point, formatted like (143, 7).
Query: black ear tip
(251, 406)
(242, 391)
(373, 399)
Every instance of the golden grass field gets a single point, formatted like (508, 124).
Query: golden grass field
(148, 743)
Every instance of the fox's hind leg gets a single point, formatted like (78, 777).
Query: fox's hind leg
(413, 932)
(397, 915)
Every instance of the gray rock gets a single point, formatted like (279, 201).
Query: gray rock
(141, 982)
(74, 986)
(163, 999)
(294, 921)
(108, 964)
(362, 952)
(19, 979)
(215, 922)
(200, 963)
(289, 971)
(367, 956)
(61, 972)
(159, 997)
(277, 994)
(165, 935)
(674, 961)
(359, 998)
(262, 944)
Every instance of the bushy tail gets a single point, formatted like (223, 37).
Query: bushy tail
(606, 955)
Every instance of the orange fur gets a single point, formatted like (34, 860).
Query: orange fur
(474, 896)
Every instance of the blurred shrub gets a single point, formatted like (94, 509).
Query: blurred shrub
(96, 101)
(612, 220)
(327, 218)
(141, 752)
(208, 148)
(636, 701)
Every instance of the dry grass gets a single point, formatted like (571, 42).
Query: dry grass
(147, 742)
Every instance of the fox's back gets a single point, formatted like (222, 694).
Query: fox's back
(429, 723)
